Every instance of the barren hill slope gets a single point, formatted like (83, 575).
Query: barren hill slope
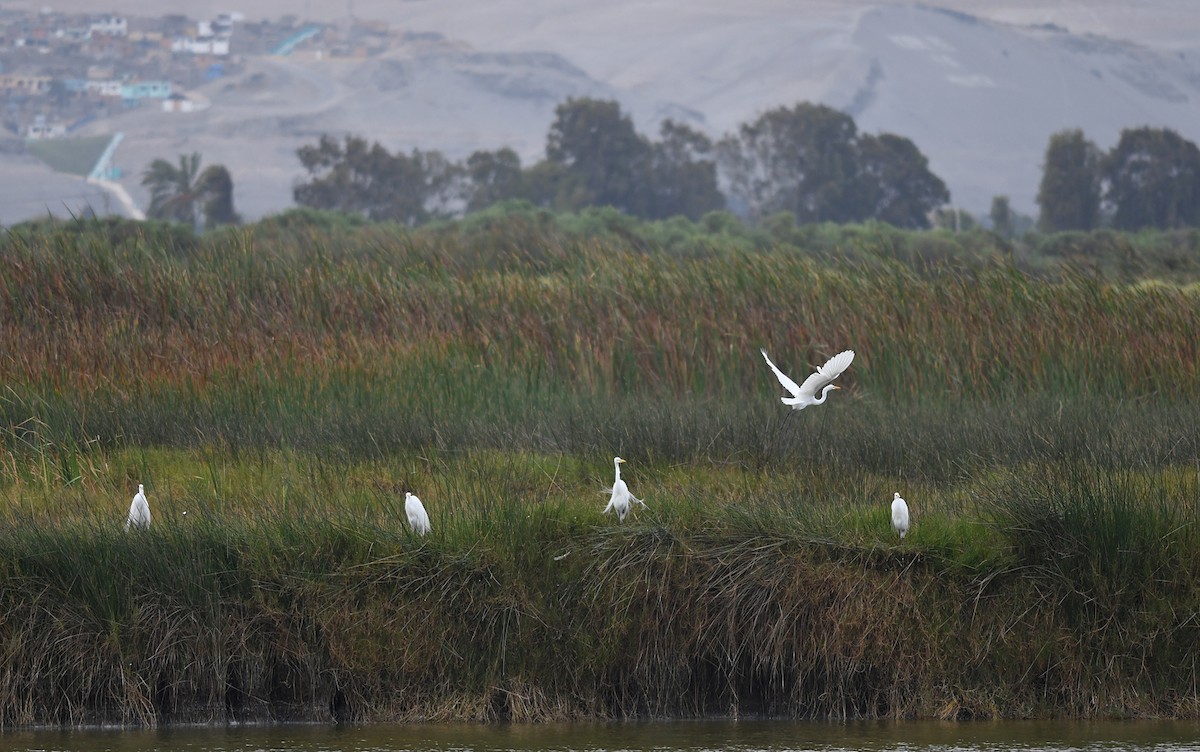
(979, 95)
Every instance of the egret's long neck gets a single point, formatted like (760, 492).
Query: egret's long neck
(617, 466)
(824, 394)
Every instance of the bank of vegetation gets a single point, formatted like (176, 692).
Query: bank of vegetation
(283, 384)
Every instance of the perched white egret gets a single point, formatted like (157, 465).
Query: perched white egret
(418, 520)
(621, 499)
(900, 515)
(139, 510)
(805, 394)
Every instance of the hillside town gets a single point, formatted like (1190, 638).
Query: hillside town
(61, 71)
(249, 93)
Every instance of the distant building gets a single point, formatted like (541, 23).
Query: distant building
(73, 34)
(209, 45)
(106, 88)
(36, 43)
(212, 37)
(135, 91)
(41, 128)
(178, 103)
(113, 26)
(152, 36)
(25, 83)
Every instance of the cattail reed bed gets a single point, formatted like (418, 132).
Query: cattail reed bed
(84, 317)
(284, 387)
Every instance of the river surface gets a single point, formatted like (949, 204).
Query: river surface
(657, 736)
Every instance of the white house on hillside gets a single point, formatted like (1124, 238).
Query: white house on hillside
(115, 26)
(178, 103)
(201, 45)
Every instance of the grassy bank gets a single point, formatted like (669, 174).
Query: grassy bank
(76, 156)
(290, 590)
(285, 387)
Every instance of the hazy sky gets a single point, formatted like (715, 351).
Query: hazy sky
(505, 24)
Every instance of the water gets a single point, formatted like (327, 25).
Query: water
(693, 736)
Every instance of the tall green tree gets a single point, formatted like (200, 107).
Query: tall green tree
(552, 185)
(1153, 178)
(895, 183)
(1069, 195)
(494, 176)
(1002, 216)
(185, 194)
(811, 161)
(596, 158)
(682, 174)
(216, 189)
(356, 177)
(594, 141)
(802, 159)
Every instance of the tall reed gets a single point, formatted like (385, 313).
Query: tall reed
(285, 384)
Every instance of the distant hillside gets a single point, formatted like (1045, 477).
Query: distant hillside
(979, 97)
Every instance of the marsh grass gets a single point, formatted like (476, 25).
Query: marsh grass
(284, 385)
(637, 323)
(298, 592)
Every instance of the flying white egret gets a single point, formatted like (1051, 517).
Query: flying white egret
(621, 498)
(805, 394)
(139, 510)
(900, 515)
(418, 520)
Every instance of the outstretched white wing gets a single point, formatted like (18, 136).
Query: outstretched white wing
(788, 384)
(824, 375)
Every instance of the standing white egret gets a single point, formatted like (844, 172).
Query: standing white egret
(139, 510)
(418, 520)
(805, 394)
(900, 515)
(621, 498)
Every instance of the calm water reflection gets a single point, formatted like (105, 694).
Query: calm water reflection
(699, 736)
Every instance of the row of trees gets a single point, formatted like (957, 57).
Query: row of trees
(1151, 178)
(809, 160)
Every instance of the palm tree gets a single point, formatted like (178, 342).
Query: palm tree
(173, 190)
(184, 194)
(216, 188)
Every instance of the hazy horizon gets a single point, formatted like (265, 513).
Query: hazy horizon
(979, 97)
